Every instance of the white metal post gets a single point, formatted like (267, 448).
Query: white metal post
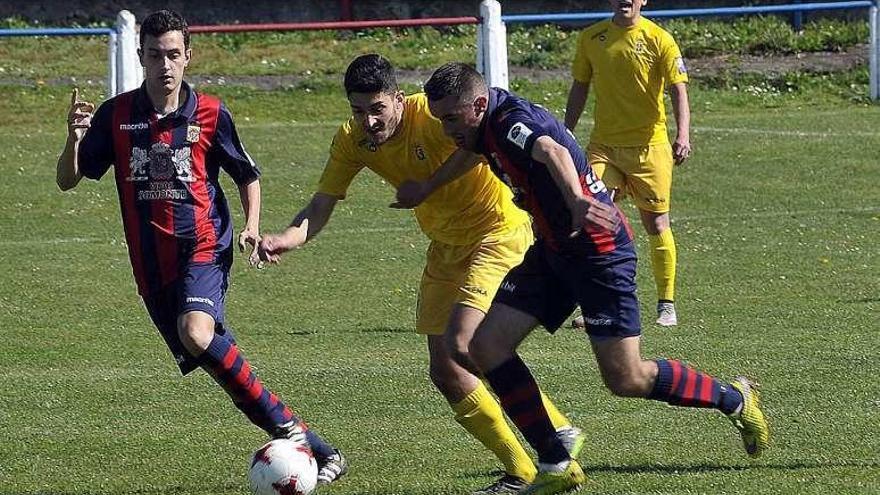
(492, 45)
(129, 73)
(874, 62)
(111, 71)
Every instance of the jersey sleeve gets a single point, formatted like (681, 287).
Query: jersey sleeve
(229, 151)
(672, 63)
(341, 168)
(517, 132)
(581, 69)
(95, 153)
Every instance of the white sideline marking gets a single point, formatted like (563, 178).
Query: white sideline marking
(728, 130)
(780, 132)
(382, 230)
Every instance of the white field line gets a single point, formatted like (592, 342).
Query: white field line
(782, 132)
(384, 230)
(715, 129)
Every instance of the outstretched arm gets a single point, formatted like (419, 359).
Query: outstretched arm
(79, 118)
(412, 193)
(305, 225)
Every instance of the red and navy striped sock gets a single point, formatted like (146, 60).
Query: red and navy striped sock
(680, 385)
(230, 369)
(520, 398)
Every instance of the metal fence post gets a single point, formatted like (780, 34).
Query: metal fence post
(873, 62)
(492, 45)
(129, 73)
(111, 66)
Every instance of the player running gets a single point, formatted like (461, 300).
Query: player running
(167, 144)
(584, 256)
(477, 234)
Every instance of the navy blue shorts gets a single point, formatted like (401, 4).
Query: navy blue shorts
(548, 285)
(200, 287)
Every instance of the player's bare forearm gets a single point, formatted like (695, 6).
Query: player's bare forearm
(458, 164)
(311, 219)
(577, 100)
(67, 174)
(411, 193)
(251, 202)
(561, 167)
(681, 148)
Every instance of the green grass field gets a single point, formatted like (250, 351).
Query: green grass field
(776, 217)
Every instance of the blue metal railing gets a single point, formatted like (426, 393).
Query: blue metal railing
(719, 11)
(57, 32)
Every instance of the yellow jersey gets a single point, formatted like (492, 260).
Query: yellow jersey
(459, 213)
(629, 68)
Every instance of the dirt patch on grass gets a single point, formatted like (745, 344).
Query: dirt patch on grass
(771, 65)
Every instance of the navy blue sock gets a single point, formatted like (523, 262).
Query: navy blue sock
(520, 398)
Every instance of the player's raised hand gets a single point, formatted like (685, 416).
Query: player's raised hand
(681, 149)
(79, 116)
(588, 212)
(410, 194)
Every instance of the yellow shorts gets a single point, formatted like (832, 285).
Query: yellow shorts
(644, 172)
(468, 275)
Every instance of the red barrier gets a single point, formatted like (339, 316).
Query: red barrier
(311, 26)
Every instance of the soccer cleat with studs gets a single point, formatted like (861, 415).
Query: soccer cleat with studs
(572, 439)
(666, 316)
(750, 420)
(505, 484)
(331, 468)
(552, 482)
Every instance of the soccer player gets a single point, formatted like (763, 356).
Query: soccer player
(477, 234)
(167, 144)
(631, 62)
(583, 256)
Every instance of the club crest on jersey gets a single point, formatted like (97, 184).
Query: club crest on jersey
(640, 46)
(420, 152)
(518, 134)
(160, 163)
(193, 132)
(366, 143)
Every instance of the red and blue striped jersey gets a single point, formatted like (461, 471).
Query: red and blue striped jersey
(167, 177)
(506, 137)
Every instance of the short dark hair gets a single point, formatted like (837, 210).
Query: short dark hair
(454, 78)
(163, 21)
(371, 73)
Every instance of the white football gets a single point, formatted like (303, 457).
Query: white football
(283, 467)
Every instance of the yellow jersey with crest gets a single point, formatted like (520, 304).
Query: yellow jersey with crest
(628, 68)
(459, 213)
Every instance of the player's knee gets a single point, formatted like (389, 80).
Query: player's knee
(195, 333)
(479, 349)
(442, 377)
(458, 351)
(624, 384)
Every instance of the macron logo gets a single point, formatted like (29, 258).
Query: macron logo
(204, 300)
(140, 126)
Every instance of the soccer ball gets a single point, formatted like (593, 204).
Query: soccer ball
(283, 467)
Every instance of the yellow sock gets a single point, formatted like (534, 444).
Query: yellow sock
(481, 415)
(556, 417)
(663, 257)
